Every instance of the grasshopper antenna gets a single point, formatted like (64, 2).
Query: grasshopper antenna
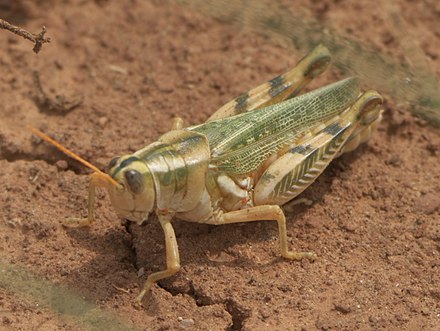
(73, 155)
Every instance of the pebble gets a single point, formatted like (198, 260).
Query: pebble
(117, 69)
(102, 121)
(373, 320)
(64, 272)
(185, 322)
(321, 325)
(62, 165)
(164, 84)
(6, 321)
(394, 160)
(427, 204)
(14, 222)
(342, 307)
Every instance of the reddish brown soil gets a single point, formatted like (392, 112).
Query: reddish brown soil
(374, 223)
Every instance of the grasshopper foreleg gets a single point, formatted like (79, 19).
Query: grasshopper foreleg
(172, 253)
(74, 222)
(266, 213)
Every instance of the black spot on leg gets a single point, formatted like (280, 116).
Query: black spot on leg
(301, 149)
(241, 103)
(276, 86)
(333, 129)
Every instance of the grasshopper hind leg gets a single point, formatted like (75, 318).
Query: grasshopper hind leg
(280, 88)
(369, 119)
(302, 163)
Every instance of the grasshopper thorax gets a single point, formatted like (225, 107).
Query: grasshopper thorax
(134, 198)
(165, 176)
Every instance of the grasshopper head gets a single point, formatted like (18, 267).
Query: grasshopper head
(134, 197)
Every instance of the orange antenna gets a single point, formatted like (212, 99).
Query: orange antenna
(72, 154)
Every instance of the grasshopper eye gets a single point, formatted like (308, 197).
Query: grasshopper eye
(134, 180)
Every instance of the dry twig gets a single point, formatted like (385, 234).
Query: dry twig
(37, 39)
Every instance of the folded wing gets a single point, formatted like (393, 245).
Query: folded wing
(240, 144)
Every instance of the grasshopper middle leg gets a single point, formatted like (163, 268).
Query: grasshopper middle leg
(266, 213)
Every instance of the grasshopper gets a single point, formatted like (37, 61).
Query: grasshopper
(255, 153)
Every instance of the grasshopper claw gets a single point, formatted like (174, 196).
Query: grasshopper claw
(137, 303)
(141, 295)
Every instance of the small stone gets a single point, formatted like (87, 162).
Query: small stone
(117, 69)
(64, 272)
(373, 320)
(141, 272)
(265, 314)
(6, 320)
(394, 160)
(186, 323)
(62, 165)
(14, 222)
(164, 84)
(427, 204)
(36, 140)
(118, 84)
(102, 121)
(342, 307)
(321, 325)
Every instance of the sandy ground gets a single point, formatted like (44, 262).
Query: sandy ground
(374, 222)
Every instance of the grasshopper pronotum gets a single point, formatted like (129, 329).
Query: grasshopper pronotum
(254, 154)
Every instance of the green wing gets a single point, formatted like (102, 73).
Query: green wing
(240, 144)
